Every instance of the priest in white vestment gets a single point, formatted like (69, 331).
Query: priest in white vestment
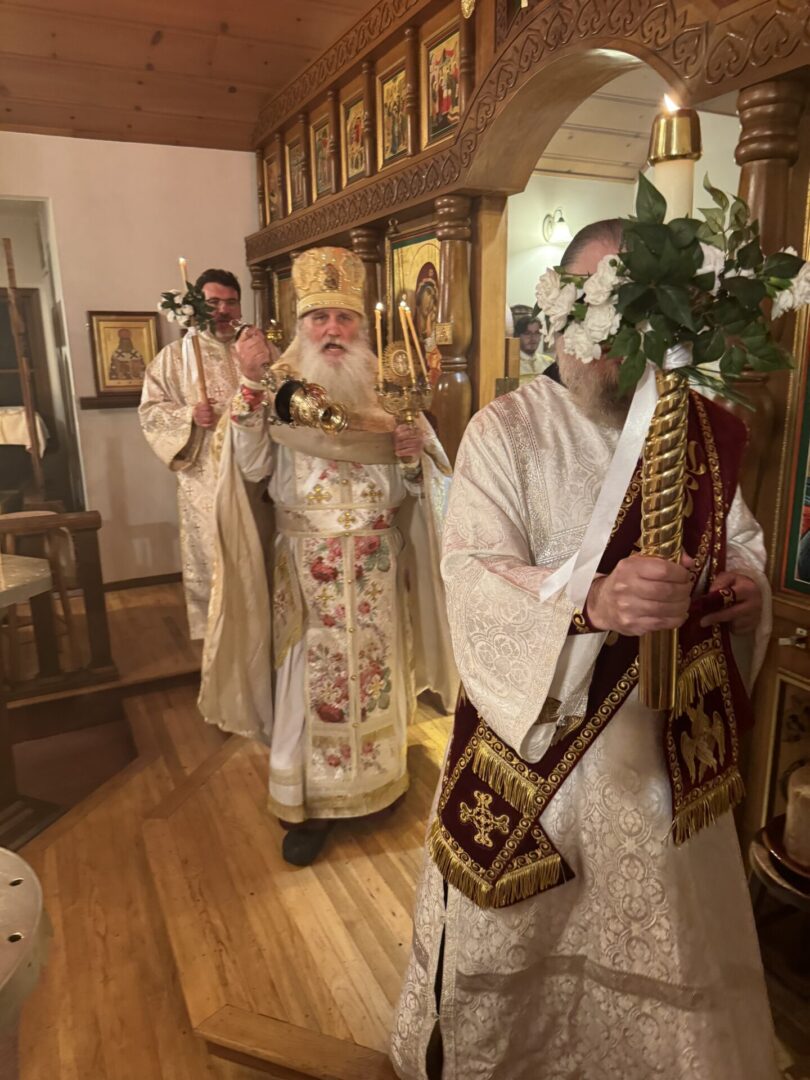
(629, 957)
(356, 625)
(179, 428)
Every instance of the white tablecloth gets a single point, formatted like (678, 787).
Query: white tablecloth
(14, 430)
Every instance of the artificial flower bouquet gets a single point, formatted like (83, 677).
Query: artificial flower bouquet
(186, 309)
(685, 282)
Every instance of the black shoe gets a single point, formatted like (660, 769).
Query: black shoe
(301, 847)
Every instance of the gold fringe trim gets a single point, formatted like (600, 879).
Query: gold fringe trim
(504, 779)
(706, 809)
(454, 871)
(515, 885)
(696, 680)
(527, 881)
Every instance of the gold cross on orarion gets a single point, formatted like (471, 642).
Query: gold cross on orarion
(483, 819)
(347, 519)
(319, 495)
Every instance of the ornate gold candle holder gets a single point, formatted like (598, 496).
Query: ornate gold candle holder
(663, 473)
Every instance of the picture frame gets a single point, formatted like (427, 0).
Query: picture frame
(352, 143)
(441, 108)
(285, 305)
(791, 738)
(123, 344)
(392, 118)
(412, 272)
(320, 134)
(273, 201)
(796, 555)
(296, 174)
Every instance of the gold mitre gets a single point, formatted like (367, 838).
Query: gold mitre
(329, 277)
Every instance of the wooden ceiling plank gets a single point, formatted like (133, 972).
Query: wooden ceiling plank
(109, 123)
(171, 95)
(324, 20)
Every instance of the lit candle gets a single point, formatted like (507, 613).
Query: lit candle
(409, 318)
(403, 307)
(674, 149)
(378, 310)
(183, 276)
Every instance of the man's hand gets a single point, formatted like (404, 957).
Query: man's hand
(408, 441)
(746, 605)
(252, 353)
(643, 593)
(203, 414)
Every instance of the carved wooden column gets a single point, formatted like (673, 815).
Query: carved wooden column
(767, 150)
(278, 146)
(466, 62)
(303, 120)
(412, 87)
(369, 110)
(260, 189)
(334, 137)
(366, 243)
(262, 305)
(453, 398)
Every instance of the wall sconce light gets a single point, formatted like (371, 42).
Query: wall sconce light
(555, 229)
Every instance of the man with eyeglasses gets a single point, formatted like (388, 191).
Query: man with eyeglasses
(179, 428)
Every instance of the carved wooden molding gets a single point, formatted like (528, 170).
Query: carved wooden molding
(709, 56)
(316, 78)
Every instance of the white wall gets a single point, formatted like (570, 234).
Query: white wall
(121, 214)
(584, 201)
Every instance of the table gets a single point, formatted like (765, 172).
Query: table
(24, 936)
(790, 893)
(21, 818)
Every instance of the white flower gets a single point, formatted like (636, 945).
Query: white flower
(160, 307)
(714, 262)
(782, 303)
(170, 315)
(801, 287)
(747, 272)
(558, 310)
(599, 287)
(578, 342)
(547, 288)
(789, 250)
(187, 309)
(602, 320)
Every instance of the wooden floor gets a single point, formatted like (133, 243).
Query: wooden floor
(148, 635)
(219, 939)
(299, 968)
(108, 1006)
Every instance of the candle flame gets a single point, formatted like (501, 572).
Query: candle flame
(403, 303)
(379, 306)
(670, 104)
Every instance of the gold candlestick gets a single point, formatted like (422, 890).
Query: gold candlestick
(675, 146)
(403, 307)
(417, 343)
(378, 310)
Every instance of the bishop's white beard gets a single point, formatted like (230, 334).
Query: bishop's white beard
(348, 378)
(595, 389)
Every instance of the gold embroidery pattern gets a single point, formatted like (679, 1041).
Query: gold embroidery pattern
(698, 747)
(319, 495)
(693, 471)
(347, 519)
(632, 493)
(483, 819)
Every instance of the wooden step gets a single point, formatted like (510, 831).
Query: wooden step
(295, 971)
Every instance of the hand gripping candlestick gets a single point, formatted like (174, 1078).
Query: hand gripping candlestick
(403, 391)
(674, 148)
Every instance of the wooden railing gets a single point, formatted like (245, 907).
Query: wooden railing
(59, 640)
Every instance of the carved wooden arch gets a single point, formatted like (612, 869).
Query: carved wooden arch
(697, 50)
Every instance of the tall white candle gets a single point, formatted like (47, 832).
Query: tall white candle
(674, 149)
